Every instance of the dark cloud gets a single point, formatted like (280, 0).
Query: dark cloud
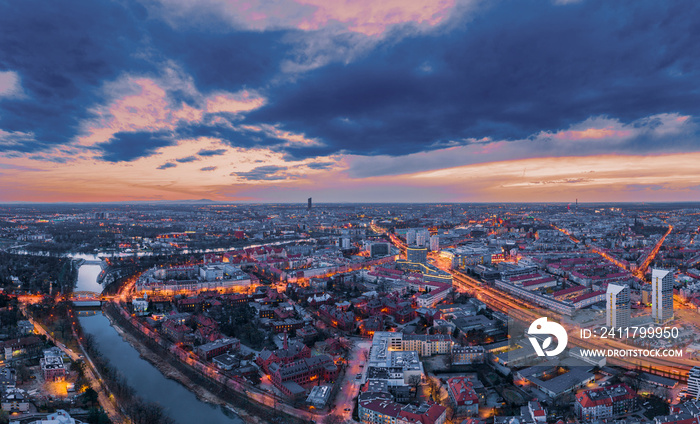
(62, 54)
(515, 69)
(213, 152)
(127, 146)
(187, 159)
(520, 67)
(167, 165)
(320, 165)
(230, 60)
(208, 168)
(65, 53)
(266, 173)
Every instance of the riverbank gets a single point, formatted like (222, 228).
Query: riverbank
(171, 371)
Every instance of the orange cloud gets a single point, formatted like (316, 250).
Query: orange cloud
(372, 17)
(367, 17)
(147, 106)
(592, 133)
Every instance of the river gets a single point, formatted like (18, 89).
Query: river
(87, 278)
(178, 402)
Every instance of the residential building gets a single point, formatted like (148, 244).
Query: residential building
(52, 365)
(427, 345)
(463, 396)
(465, 355)
(661, 296)
(288, 377)
(25, 327)
(617, 306)
(292, 351)
(208, 351)
(384, 411)
(694, 382)
(175, 331)
(14, 401)
(29, 346)
(8, 378)
(604, 403)
(139, 305)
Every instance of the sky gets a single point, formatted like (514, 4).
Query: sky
(349, 100)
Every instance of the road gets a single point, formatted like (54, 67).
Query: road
(106, 400)
(522, 311)
(643, 268)
(516, 308)
(350, 386)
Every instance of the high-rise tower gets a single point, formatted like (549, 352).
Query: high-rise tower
(617, 306)
(661, 296)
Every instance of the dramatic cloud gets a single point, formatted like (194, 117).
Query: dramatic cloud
(554, 65)
(363, 16)
(62, 53)
(245, 99)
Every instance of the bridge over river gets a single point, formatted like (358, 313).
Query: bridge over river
(88, 298)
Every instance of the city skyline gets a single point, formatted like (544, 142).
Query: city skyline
(349, 101)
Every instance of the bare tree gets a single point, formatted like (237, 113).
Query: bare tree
(434, 385)
(449, 359)
(22, 373)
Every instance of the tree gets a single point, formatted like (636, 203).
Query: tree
(147, 413)
(434, 385)
(22, 373)
(90, 396)
(450, 359)
(97, 416)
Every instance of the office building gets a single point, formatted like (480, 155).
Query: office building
(379, 249)
(308, 201)
(661, 296)
(418, 255)
(617, 307)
